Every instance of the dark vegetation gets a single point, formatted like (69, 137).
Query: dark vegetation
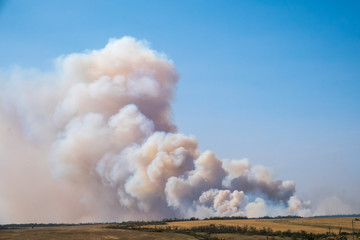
(35, 225)
(138, 227)
(204, 232)
(32, 225)
(224, 218)
(128, 223)
(140, 223)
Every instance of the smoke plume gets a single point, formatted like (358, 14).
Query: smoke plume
(94, 141)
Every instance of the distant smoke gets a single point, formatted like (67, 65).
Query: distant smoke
(94, 141)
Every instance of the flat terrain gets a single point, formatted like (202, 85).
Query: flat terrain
(311, 225)
(85, 232)
(92, 232)
(228, 236)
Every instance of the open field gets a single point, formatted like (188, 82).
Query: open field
(100, 231)
(229, 236)
(85, 232)
(312, 225)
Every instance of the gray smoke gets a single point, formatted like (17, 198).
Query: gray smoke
(94, 141)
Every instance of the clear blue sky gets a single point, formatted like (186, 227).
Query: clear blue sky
(277, 82)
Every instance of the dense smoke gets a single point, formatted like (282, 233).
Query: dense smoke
(94, 141)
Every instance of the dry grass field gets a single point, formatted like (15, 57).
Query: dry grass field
(228, 236)
(85, 232)
(97, 232)
(311, 225)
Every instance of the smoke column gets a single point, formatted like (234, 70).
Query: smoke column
(94, 141)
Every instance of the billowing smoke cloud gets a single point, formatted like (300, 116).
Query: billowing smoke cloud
(94, 141)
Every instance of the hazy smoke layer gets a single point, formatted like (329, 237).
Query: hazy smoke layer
(94, 141)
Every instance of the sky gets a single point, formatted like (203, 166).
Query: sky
(277, 82)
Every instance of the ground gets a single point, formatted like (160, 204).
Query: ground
(99, 231)
(313, 225)
(85, 232)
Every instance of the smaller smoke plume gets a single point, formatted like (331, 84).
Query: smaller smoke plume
(94, 141)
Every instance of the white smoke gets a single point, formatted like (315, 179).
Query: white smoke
(94, 141)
